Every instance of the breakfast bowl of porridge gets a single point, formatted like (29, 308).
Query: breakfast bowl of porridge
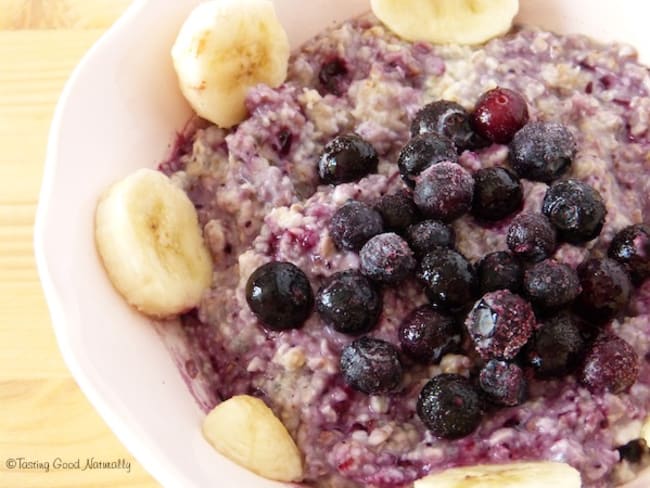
(386, 244)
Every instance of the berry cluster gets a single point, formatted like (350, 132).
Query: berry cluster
(523, 313)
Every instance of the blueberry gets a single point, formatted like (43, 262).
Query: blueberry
(634, 451)
(450, 406)
(425, 236)
(347, 158)
(423, 151)
(387, 258)
(349, 303)
(556, 348)
(426, 335)
(531, 237)
(631, 248)
(279, 294)
(575, 209)
(542, 151)
(444, 191)
(606, 289)
(611, 365)
(499, 114)
(448, 277)
(503, 383)
(353, 224)
(497, 193)
(551, 285)
(398, 210)
(447, 119)
(499, 270)
(500, 324)
(332, 76)
(371, 366)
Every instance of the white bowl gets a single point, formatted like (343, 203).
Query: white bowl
(120, 111)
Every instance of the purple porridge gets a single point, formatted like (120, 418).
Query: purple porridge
(259, 199)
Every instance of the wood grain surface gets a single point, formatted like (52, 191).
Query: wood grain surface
(44, 417)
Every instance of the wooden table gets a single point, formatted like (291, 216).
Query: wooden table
(43, 414)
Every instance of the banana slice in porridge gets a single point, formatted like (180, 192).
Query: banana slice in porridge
(149, 239)
(224, 48)
(246, 431)
(515, 475)
(447, 21)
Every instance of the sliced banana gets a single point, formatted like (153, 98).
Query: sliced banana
(447, 21)
(515, 475)
(247, 432)
(225, 47)
(149, 239)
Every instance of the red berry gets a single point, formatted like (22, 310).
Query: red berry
(499, 114)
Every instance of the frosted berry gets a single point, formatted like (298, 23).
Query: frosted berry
(387, 258)
(611, 365)
(444, 191)
(500, 324)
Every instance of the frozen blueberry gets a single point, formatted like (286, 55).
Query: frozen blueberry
(387, 258)
(575, 209)
(551, 285)
(444, 191)
(448, 119)
(353, 224)
(631, 248)
(499, 324)
(371, 366)
(448, 277)
(398, 210)
(279, 294)
(349, 303)
(347, 158)
(333, 76)
(606, 289)
(425, 236)
(611, 365)
(499, 114)
(423, 151)
(542, 151)
(503, 383)
(450, 406)
(497, 193)
(426, 335)
(531, 237)
(499, 270)
(557, 347)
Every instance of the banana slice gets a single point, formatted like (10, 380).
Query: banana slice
(247, 432)
(515, 475)
(148, 236)
(446, 21)
(225, 47)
